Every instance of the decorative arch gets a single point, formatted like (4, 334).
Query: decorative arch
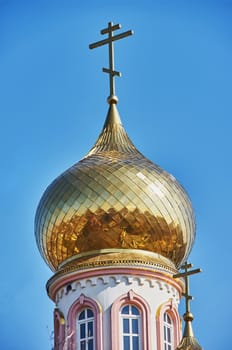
(130, 298)
(81, 303)
(171, 309)
(59, 330)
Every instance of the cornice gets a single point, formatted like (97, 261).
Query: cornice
(110, 264)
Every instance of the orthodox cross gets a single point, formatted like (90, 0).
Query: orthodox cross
(110, 41)
(186, 275)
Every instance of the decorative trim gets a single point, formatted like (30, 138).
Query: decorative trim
(98, 259)
(123, 253)
(164, 280)
(172, 311)
(112, 263)
(133, 299)
(81, 303)
(59, 330)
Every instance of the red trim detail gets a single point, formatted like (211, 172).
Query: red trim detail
(162, 276)
(173, 313)
(133, 299)
(59, 330)
(81, 303)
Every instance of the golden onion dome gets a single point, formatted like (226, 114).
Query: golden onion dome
(114, 198)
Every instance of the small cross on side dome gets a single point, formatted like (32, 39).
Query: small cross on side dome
(188, 342)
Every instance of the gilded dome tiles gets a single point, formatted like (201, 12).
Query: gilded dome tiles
(114, 198)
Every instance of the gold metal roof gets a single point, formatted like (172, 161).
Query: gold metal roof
(188, 342)
(114, 198)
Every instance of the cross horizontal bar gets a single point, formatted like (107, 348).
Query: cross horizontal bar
(187, 273)
(189, 297)
(110, 29)
(112, 72)
(108, 40)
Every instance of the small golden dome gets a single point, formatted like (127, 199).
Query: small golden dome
(114, 198)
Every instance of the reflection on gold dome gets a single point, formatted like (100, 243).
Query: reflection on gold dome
(114, 198)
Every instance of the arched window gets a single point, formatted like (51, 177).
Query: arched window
(168, 332)
(131, 327)
(84, 323)
(85, 330)
(168, 326)
(130, 323)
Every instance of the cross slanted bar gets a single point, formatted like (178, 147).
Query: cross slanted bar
(110, 41)
(186, 275)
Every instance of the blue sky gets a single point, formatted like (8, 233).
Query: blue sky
(175, 103)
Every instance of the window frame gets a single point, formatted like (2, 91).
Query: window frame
(77, 307)
(130, 298)
(168, 332)
(170, 309)
(130, 317)
(85, 321)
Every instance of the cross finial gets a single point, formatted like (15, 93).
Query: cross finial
(186, 275)
(188, 341)
(110, 41)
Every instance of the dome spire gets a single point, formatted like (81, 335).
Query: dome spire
(188, 342)
(112, 99)
(113, 136)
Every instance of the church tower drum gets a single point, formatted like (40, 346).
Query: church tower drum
(115, 228)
